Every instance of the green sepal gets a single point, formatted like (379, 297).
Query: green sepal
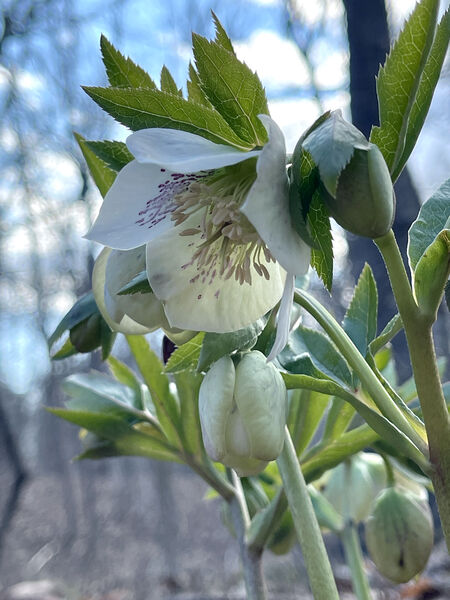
(66, 350)
(398, 82)
(145, 108)
(331, 145)
(122, 71)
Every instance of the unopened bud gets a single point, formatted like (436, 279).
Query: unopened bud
(243, 412)
(399, 534)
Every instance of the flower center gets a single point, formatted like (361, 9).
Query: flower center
(229, 242)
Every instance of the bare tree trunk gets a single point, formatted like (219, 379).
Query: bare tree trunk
(11, 453)
(368, 39)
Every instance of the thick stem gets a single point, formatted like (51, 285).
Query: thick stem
(310, 538)
(429, 389)
(358, 363)
(353, 554)
(251, 558)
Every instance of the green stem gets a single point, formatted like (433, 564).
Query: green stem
(358, 363)
(354, 558)
(424, 365)
(251, 558)
(310, 538)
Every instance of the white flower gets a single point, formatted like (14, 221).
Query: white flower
(216, 224)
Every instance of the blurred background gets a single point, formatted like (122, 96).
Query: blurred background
(128, 528)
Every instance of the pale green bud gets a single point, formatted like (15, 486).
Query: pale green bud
(243, 412)
(351, 487)
(399, 534)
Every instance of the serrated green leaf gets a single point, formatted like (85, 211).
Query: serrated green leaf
(322, 351)
(122, 71)
(188, 384)
(233, 89)
(331, 145)
(127, 440)
(102, 175)
(399, 79)
(432, 218)
(143, 108)
(424, 95)
(394, 326)
(195, 92)
(365, 408)
(186, 356)
(360, 321)
(114, 154)
(152, 371)
(168, 83)
(216, 345)
(221, 35)
(83, 308)
(431, 274)
(139, 284)
(96, 392)
(320, 228)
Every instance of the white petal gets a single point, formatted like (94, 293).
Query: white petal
(284, 317)
(201, 299)
(267, 204)
(133, 315)
(183, 151)
(138, 206)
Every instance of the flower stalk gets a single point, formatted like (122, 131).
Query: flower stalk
(307, 528)
(418, 329)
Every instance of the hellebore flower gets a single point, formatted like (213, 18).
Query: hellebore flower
(216, 224)
(243, 412)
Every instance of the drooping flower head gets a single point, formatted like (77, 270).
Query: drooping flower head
(205, 190)
(215, 221)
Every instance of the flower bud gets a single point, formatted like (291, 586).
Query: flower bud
(352, 486)
(132, 313)
(335, 163)
(243, 412)
(365, 200)
(399, 534)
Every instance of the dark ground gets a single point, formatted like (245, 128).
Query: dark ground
(133, 530)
